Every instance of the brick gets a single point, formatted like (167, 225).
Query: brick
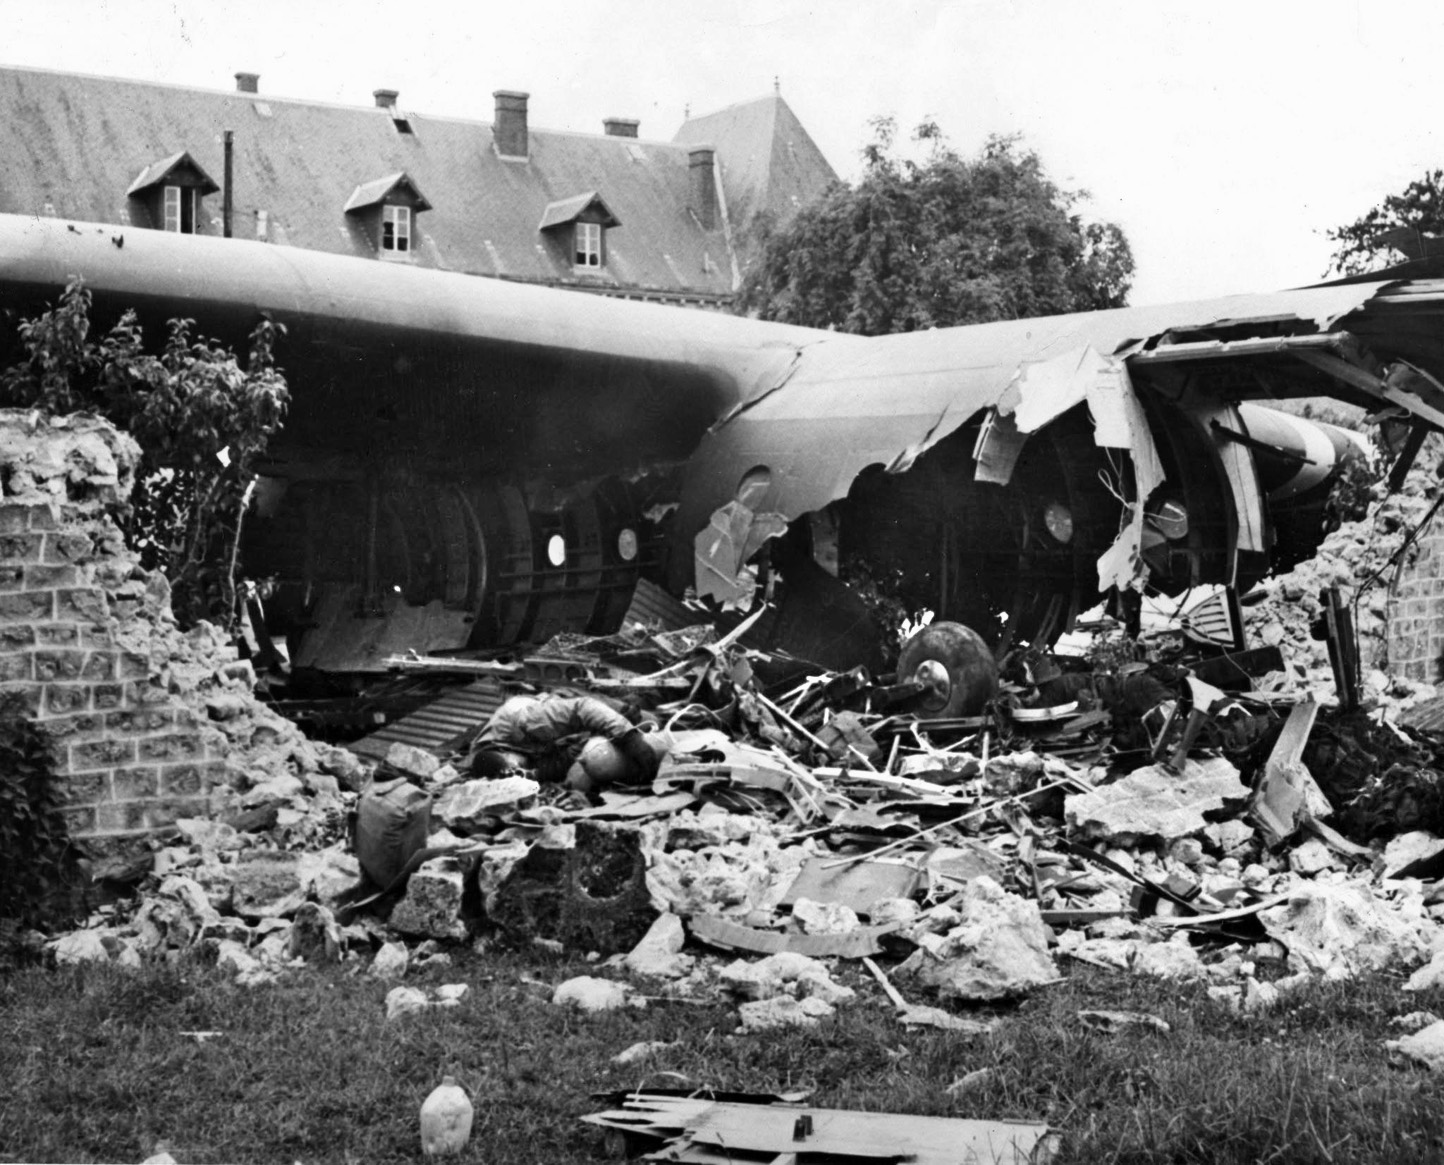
(27, 607)
(76, 727)
(79, 819)
(176, 746)
(101, 754)
(63, 548)
(39, 578)
(86, 788)
(96, 636)
(58, 634)
(46, 517)
(17, 665)
(99, 665)
(159, 814)
(137, 721)
(12, 578)
(145, 693)
(21, 547)
(108, 695)
(123, 815)
(182, 780)
(134, 784)
(15, 636)
(59, 664)
(82, 604)
(21, 697)
(14, 518)
(63, 699)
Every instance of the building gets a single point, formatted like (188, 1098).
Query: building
(613, 212)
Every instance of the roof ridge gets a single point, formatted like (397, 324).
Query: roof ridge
(319, 103)
(774, 97)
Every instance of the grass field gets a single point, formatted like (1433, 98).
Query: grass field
(94, 1067)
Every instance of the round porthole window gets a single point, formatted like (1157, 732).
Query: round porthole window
(627, 544)
(557, 550)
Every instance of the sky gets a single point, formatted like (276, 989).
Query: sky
(1225, 138)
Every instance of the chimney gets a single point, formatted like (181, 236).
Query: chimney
(248, 82)
(621, 127)
(385, 98)
(704, 186)
(509, 129)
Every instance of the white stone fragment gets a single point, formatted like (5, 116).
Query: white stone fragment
(591, 994)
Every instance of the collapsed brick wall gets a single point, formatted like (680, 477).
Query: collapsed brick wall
(1399, 623)
(147, 723)
(1416, 609)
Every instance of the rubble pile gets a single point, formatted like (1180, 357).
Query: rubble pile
(776, 836)
(1285, 610)
(711, 821)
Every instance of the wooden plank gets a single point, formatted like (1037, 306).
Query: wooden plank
(723, 932)
(925, 1140)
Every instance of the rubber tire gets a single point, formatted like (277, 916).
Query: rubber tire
(971, 669)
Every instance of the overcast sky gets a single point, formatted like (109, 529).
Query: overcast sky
(1225, 138)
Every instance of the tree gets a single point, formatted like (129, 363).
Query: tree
(946, 241)
(1362, 245)
(201, 420)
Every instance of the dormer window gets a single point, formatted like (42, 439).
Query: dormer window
(383, 213)
(578, 228)
(588, 245)
(180, 209)
(396, 228)
(168, 195)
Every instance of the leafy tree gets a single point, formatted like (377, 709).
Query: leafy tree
(1361, 246)
(200, 418)
(950, 240)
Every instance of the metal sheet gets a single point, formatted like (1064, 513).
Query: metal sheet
(851, 403)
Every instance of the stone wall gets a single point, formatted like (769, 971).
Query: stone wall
(146, 723)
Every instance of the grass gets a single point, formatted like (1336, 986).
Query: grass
(93, 1067)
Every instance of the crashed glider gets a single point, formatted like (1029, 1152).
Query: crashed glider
(470, 462)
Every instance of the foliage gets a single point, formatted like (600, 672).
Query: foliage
(1360, 246)
(35, 882)
(201, 421)
(947, 241)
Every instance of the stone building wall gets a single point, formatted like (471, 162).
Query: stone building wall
(145, 723)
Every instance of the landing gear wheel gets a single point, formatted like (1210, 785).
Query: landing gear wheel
(955, 665)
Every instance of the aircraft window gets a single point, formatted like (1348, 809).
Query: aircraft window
(396, 229)
(627, 544)
(588, 245)
(557, 550)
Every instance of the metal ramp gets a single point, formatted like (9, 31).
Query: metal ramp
(436, 726)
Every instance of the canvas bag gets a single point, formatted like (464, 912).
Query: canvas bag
(393, 822)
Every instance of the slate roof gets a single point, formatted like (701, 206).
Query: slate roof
(370, 193)
(770, 165)
(73, 144)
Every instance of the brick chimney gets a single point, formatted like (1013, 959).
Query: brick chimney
(509, 129)
(248, 82)
(385, 98)
(621, 127)
(704, 185)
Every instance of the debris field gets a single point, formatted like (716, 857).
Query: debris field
(712, 821)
